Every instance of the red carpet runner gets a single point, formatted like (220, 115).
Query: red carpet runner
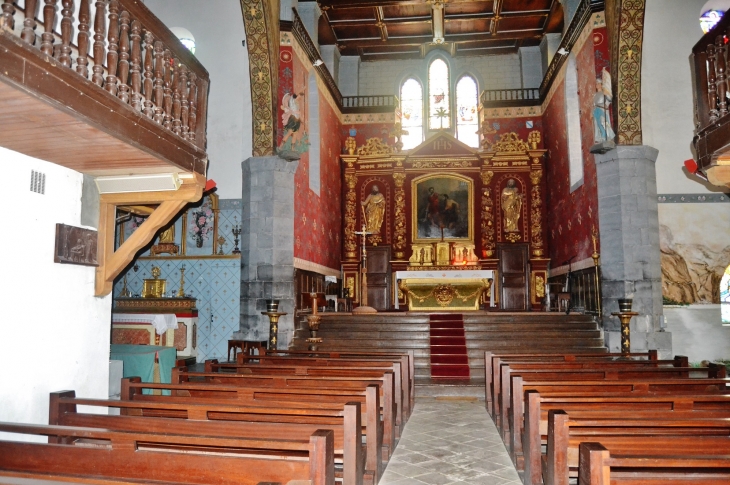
(448, 346)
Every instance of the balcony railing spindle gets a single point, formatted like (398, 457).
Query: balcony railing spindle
(176, 96)
(98, 71)
(167, 77)
(8, 19)
(184, 105)
(123, 57)
(158, 98)
(721, 53)
(66, 33)
(148, 73)
(135, 65)
(82, 60)
(49, 17)
(112, 56)
(28, 34)
(193, 104)
(711, 82)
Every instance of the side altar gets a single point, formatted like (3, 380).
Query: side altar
(447, 208)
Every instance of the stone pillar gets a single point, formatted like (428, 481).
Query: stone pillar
(530, 66)
(349, 78)
(630, 259)
(267, 246)
(331, 58)
(548, 47)
(310, 13)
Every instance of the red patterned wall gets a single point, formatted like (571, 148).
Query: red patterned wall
(521, 126)
(365, 131)
(317, 222)
(572, 216)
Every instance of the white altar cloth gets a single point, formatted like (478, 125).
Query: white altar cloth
(439, 274)
(161, 321)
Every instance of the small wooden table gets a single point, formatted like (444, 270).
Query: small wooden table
(246, 346)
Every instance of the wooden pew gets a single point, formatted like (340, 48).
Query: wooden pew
(489, 358)
(149, 457)
(599, 467)
(225, 421)
(596, 388)
(661, 435)
(400, 366)
(537, 408)
(502, 369)
(305, 376)
(409, 370)
(304, 399)
(385, 386)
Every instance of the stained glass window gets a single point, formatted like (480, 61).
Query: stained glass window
(411, 102)
(467, 121)
(439, 112)
(725, 296)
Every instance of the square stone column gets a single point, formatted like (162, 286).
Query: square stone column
(629, 234)
(267, 246)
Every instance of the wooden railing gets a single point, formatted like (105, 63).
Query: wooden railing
(710, 82)
(369, 104)
(497, 98)
(120, 46)
(585, 292)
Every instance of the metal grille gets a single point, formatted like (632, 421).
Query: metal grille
(37, 182)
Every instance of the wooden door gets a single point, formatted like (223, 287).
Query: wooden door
(513, 270)
(379, 277)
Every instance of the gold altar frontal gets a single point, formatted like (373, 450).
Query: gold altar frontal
(456, 294)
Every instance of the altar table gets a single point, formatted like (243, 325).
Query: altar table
(453, 278)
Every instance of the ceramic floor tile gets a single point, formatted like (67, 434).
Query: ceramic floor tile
(450, 442)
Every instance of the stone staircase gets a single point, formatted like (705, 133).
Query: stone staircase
(501, 332)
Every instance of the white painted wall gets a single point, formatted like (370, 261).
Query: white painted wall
(54, 334)
(666, 91)
(492, 72)
(218, 34)
(697, 332)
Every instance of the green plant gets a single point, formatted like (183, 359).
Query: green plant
(668, 301)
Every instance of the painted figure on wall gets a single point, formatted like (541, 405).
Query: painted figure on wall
(374, 207)
(295, 133)
(602, 130)
(511, 206)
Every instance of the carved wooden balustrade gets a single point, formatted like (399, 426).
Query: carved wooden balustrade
(117, 46)
(370, 104)
(502, 98)
(711, 91)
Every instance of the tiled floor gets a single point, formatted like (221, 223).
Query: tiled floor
(450, 441)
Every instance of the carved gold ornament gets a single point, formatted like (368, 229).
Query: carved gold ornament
(350, 145)
(442, 164)
(539, 286)
(536, 176)
(487, 223)
(375, 146)
(536, 219)
(487, 177)
(400, 215)
(513, 237)
(510, 142)
(350, 216)
(534, 139)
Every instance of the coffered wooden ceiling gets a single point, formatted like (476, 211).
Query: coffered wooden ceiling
(408, 29)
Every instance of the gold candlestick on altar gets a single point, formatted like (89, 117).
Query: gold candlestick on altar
(313, 321)
(181, 291)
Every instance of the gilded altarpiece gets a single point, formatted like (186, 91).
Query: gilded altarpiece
(476, 199)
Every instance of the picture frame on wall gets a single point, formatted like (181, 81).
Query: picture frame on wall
(200, 226)
(442, 205)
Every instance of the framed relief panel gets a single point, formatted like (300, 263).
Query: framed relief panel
(442, 204)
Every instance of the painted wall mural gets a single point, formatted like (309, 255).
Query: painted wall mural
(692, 271)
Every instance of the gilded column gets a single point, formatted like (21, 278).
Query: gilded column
(488, 244)
(400, 215)
(537, 237)
(350, 217)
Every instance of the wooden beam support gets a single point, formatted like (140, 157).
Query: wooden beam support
(111, 263)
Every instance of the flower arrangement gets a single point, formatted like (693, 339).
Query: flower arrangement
(201, 225)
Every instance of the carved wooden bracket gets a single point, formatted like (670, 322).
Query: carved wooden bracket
(111, 263)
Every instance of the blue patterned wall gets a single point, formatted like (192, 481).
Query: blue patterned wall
(214, 281)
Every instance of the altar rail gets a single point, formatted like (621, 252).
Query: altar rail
(710, 82)
(121, 47)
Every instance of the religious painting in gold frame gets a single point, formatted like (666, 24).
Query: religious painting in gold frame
(442, 201)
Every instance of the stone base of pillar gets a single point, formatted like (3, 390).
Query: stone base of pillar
(267, 247)
(629, 235)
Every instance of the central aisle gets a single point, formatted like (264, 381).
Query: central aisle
(450, 441)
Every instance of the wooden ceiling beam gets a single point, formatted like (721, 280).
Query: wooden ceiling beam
(380, 24)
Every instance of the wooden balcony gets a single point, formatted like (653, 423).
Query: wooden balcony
(507, 98)
(108, 91)
(711, 93)
(104, 88)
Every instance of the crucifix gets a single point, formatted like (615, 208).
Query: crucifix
(364, 271)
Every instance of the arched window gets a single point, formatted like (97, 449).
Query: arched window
(439, 105)
(411, 102)
(467, 119)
